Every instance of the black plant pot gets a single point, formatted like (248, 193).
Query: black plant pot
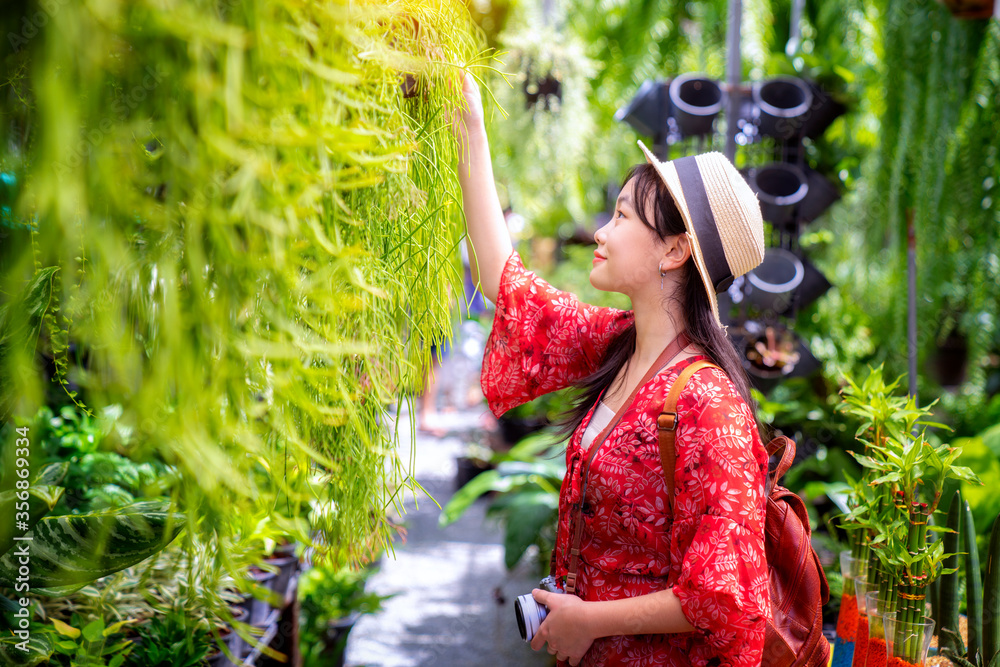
(950, 360)
(260, 609)
(335, 640)
(696, 101)
(235, 643)
(783, 104)
(780, 187)
(467, 469)
(287, 549)
(514, 429)
(286, 568)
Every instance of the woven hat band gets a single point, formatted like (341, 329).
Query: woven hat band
(703, 221)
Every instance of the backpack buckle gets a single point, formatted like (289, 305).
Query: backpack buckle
(667, 421)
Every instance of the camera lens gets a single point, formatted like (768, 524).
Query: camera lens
(529, 615)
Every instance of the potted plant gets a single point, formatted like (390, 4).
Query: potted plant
(170, 640)
(899, 490)
(527, 482)
(332, 598)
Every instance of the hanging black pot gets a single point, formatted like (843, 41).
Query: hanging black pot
(814, 284)
(771, 353)
(236, 644)
(821, 196)
(648, 111)
(773, 283)
(783, 105)
(950, 360)
(822, 113)
(780, 187)
(696, 100)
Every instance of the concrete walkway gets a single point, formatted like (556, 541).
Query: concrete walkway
(455, 600)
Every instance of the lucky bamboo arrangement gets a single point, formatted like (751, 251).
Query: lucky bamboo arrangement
(891, 508)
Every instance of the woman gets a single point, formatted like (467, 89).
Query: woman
(654, 585)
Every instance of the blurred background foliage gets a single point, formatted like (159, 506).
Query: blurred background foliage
(919, 139)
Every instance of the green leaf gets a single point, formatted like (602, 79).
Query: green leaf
(40, 649)
(79, 548)
(867, 461)
(65, 629)
(890, 477)
(464, 497)
(94, 631)
(51, 475)
(116, 627)
(41, 501)
(526, 514)
(964, 474)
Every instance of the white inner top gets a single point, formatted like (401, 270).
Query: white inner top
(602, 416)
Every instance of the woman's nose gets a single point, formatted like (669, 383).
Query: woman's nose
(599, 234)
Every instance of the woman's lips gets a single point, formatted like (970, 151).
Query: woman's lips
(598, 257)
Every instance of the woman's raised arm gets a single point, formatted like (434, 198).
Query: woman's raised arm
(488, 240)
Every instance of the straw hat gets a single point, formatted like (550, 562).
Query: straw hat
(722, 216)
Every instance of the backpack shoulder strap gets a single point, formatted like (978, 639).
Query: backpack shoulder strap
(666, 424)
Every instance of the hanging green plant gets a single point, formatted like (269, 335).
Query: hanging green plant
(541, 146)
(244, 241)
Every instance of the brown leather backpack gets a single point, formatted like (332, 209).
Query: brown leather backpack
(798, 588)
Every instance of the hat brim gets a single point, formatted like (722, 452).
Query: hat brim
(668, 173)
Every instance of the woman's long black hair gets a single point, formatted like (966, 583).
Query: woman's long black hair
(700, 323)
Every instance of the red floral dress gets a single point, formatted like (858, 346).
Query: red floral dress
(711, 551)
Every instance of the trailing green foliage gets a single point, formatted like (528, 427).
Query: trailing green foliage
(243, 235)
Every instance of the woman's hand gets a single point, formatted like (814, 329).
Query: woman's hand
(564, 628)
(470, 118)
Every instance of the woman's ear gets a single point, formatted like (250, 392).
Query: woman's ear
(676, 252)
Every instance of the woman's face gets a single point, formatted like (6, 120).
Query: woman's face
(628, 252)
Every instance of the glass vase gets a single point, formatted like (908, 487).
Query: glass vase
(877, 653)
(908, 641)
(861, 633)
(847, 619)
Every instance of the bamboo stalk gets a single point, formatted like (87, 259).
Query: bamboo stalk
(991, 597)
(949, 636)
(973, 585)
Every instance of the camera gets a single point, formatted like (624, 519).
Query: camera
(529, 613)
